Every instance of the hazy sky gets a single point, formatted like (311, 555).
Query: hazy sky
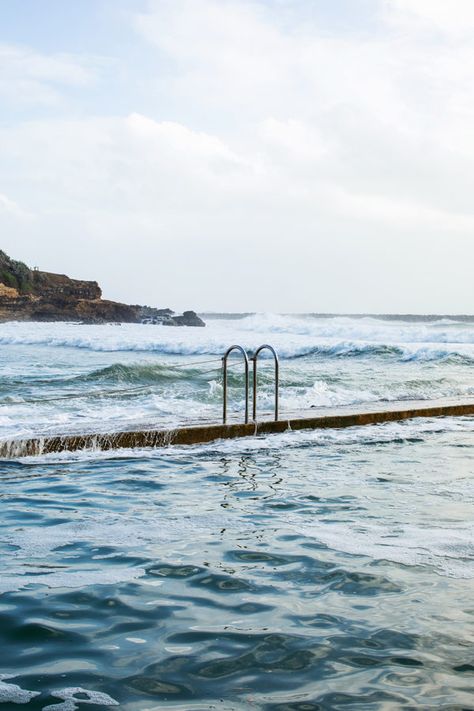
(283, 155)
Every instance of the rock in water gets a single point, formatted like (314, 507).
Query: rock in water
(189, 318)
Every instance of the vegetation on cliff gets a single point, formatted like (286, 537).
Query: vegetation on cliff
(15, 274)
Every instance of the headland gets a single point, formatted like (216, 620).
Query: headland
(32, 295)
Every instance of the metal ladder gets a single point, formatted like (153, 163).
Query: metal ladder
(254, 360)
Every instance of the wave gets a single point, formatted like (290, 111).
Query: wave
(287, 349)
(293, 337)
(365, 328)
(110, 346)
(99, 407)
(324, 394)
(142, 374)
(348, 350)
(404, 354)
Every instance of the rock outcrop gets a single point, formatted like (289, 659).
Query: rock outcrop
(189, 318)
(32, 295)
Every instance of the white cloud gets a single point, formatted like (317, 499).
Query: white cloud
(236, 56)
(321, 161)
(236, 64)
(450, 17)
(163, 214)
(29, 77)
(10, 208)
(7, 205)
(295, 139)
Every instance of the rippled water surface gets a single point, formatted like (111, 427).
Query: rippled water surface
(303, 571)
(296, 572)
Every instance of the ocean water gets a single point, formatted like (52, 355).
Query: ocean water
(59, 378)
(293, 572)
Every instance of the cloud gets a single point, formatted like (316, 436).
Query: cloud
(383, 113)
(7, 205)
(10, 208)
(163, 214)
(329, 166)
(453, 18)
(28, 77)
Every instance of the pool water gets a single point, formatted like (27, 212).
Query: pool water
(303, 571)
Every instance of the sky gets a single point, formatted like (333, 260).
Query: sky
(243, 155)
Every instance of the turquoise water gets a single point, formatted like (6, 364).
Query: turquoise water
(302, 571)
(310, 570)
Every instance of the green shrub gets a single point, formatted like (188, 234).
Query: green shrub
(15, 274)
(8, 279)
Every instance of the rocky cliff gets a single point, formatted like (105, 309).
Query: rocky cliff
(32, 295)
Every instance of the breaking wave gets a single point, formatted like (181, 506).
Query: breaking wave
(342, 349)
(61, 377)
(365, 328)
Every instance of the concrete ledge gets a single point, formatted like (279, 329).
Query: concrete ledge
(201, 434)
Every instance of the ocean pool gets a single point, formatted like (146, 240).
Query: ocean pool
(301, 571)
(297, 572)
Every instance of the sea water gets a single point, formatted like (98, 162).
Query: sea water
(308, 570)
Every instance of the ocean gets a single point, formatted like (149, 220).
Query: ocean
(302, 571)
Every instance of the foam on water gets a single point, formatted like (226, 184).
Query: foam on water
(14, 694)
(445, 548)
(71, 701)
(375, 434)
(67, 378)
(135, 535)
(295, 337)
(309, 569)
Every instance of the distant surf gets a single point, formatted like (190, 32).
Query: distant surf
(61, 377)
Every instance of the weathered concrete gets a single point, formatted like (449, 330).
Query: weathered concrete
(322, 418)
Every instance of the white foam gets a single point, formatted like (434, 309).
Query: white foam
(17, 578)
(397, 529)
(70, 701)
(292, 335)
(367, 434)
(448, 551)
(14, 694)
(180, 397)
(132, 537)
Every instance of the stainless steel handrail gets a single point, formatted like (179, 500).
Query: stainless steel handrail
(277, 378)
(224, 373)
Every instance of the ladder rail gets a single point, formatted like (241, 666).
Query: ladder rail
(254, 359)
(241, 350)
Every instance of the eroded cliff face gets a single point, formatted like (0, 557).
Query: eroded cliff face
(32, 295)
(56, 286)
